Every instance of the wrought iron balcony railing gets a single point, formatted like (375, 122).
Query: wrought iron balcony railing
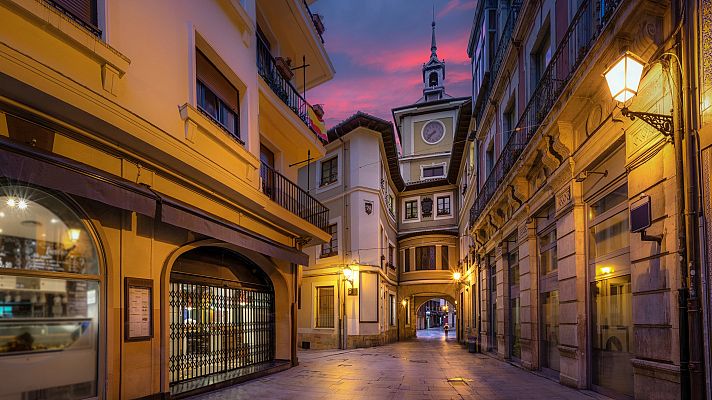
(293, 198)
(503, 42)
(585, 28)
(283, 88)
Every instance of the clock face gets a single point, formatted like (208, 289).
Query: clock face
(433, 131)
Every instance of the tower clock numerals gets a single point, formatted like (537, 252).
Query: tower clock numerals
(433, 131)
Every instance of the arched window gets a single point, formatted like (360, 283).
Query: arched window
(433, 79)
(49, 298)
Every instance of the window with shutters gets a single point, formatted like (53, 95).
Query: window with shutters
(217, 97)
(325, 307)
(83, 12)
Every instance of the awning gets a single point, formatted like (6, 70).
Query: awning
(64, 175)
(188, 217)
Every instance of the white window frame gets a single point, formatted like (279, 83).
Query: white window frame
(339, 171)
(423, 166)
(339, 236)
(435, 206)
(315, 302)
(411, 220)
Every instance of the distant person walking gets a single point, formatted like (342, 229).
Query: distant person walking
(446, 327)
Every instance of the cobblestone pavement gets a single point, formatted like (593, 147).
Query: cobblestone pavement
(430, 367)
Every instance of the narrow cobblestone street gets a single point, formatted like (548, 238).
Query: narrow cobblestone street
(430, 367)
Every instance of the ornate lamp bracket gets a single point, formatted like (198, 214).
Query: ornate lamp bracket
(661, 122)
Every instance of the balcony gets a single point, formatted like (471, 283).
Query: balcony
(283, 88)
(293, 198)
(505, 39)
(586, 25)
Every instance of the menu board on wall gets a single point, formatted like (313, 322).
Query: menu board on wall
(138, 306)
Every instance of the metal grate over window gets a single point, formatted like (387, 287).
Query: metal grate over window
(325, 307)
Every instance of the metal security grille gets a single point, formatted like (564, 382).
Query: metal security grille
(217, 329)
(325, 311)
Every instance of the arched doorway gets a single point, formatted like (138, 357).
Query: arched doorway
(436, 318)
(221, 322)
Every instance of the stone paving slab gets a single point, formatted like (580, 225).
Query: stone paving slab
(412, 370)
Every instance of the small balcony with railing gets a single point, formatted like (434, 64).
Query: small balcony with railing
(276, 73)
(293, 198)
(584, 29)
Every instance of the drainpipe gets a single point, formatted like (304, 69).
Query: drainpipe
(678, 131)
(688, 50)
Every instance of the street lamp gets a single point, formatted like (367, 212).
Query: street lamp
(456, 276)
(404, 303)
(349, 275)
(623, 78)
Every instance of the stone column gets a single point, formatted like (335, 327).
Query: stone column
(529, 294)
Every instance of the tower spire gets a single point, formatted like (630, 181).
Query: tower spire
(433, 46)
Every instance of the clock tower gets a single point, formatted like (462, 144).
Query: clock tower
(426, 128)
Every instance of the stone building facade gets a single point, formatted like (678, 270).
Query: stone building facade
(559, 281)
(146, 194)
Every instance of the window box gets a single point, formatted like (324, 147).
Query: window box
(284, 67)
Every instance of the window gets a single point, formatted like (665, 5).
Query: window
(391, 249)
(325, 307)
(389, 203)
(392, 303)
(547, 252)
(509, 123)
(550, 330)
(445, 257)
(424, 258)
(541, 57)
(489, 158)
(443, 205)
(406, 260)
(329, 171)
(433, 172)
(515, 327)
(411, 209)
(82, 11)
(41, 311)
(217, 97)
(331, 248)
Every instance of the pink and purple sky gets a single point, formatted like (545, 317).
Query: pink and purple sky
(378, 48)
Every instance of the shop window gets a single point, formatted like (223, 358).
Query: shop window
(550, 330)
(332, 247)
(217, 97)
(492, 292)
(50, 296)
(411, 209)
(394, 310)
(611, 294)
(515, 328)
(329, 171)
(325, 307)
(424, 258)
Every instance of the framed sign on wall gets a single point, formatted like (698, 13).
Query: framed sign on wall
(138, 309)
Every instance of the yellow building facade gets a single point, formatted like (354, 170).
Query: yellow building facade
(150, 229)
